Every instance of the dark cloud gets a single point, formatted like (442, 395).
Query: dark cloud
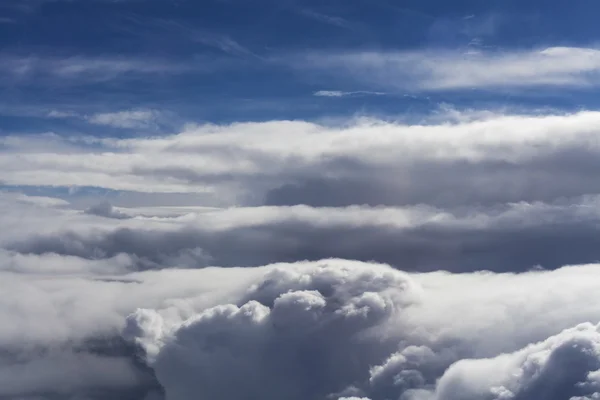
(95, 369)
(105, 209)
(550, 239)
(561, 174)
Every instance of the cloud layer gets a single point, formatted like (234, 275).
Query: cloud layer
(325, 329)
(467, 159)
(325, 262)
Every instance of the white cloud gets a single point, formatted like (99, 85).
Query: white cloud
(563, 366)
(339, 93)
(368, 161)
(330, 93)
(446, 70)
(125, 119)
(335, 319)
(61, 114)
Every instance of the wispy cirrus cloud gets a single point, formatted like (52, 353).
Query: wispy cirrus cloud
(158, 29)
(333, 20)
(450, 70)
(42, 69)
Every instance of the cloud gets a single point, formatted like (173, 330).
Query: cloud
(509, 238)
(339, 93)
(61, 114)
(332, 327)
(105, 209)
(276, 333)
(565, 366)
(493, 192)
(67, 372)
(363, 277)
(125, 119)
(338, 329)
(436, 70)
(333, 20)
(77, 69)
(156, 29)
(488, 159)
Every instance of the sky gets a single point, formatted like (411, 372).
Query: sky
(297, 199)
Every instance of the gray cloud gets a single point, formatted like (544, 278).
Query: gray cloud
(509, 238)
(105, 209)
(565, 366)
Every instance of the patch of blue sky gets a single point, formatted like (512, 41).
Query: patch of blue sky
(229, 60)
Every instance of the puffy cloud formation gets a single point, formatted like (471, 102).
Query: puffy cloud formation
(564, 366)
(341, 329)
(293, 342)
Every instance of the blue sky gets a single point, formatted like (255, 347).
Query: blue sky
(86, 71)
(232, 60)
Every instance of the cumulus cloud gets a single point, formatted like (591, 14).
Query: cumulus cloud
(564, 366)
(342, 329)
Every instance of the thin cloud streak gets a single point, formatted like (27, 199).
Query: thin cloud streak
(339, 93)
(51, 70)
(125, 119)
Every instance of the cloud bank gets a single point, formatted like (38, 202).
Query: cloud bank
(475, 160)
(325, 329)
(374, 260)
